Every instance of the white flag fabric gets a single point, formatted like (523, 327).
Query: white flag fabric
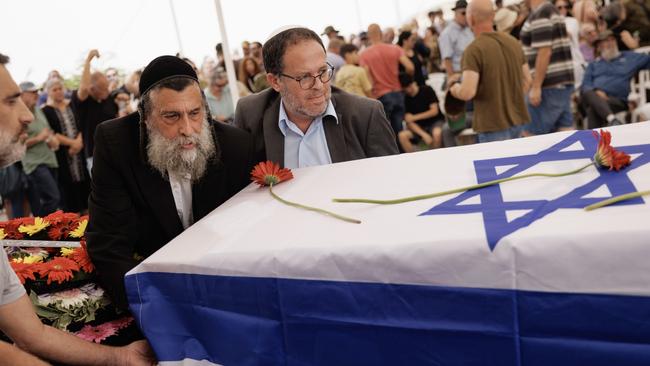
(513, 274)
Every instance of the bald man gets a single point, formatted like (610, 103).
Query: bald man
(92, 104)
(382, 61)
(495, 76)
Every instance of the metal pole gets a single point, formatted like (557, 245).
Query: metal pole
(230, 66)
(178, 34)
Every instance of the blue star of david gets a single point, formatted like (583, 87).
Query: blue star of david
(494, 208)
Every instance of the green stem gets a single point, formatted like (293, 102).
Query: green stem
(458, 190)
(309, 208)
(613, 200)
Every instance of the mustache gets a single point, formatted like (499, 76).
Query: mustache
(183, 140)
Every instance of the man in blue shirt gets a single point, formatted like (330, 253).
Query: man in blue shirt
(301, 120)
(606, 83)
(453, 41)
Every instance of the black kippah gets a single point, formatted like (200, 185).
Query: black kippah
(162, 68)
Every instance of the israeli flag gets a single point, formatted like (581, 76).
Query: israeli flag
(512, 274)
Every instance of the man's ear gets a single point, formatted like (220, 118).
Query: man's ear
(274, 81)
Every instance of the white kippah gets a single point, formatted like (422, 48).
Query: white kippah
(282, 29)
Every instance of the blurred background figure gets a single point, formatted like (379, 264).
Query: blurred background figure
(39, 163)
(218, 96)
(333, 54)
(351, 77)
(73, 177)
(573, 29)
(389, 35)
(406, 41)
(431, 42)
(250, 75)
(256, 54)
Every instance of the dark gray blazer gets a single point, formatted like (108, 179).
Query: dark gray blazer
(362, 132)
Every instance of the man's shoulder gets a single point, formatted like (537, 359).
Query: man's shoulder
(258, 100)
(251, 108)
(345, 102)
(116, 130)
(229, 134)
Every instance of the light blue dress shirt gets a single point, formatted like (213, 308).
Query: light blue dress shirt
(453, 41)
(305, 149)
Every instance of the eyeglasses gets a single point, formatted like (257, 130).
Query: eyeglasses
(308, 81)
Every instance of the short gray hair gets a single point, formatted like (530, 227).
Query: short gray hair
(52, 83)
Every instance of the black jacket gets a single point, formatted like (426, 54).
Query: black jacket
(131, 205)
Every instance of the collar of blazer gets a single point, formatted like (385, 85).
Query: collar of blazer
(274, 140)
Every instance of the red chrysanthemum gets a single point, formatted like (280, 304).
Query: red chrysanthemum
(80, 255)
(24, 271)
(608, 157)
(269, 173)
(58, 269)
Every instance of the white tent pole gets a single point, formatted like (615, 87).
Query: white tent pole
(358, 8)
(230, 66)
(398, 14)
(178, 34)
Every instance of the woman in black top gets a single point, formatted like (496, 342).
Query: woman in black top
(407, 41)
(74, 180)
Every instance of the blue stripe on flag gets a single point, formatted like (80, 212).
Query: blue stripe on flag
(266, 321)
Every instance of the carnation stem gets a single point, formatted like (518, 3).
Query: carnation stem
(613, 200)
(458, 190)
(309, 208)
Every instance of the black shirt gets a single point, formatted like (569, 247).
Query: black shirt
(421, 102)
(418, 73)
(91, 113)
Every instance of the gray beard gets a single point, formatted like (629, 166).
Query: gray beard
(293, 104)
(169, 158)
(11, 149)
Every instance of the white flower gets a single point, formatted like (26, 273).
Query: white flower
(70, 298)
(46, 299)
(93, 291)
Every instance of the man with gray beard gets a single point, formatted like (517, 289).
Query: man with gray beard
(606, 83)
(158, 171)
(14, 118)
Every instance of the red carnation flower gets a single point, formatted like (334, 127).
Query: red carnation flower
(608, 157)
(269, 173)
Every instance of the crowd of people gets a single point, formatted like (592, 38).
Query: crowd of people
(575, 67)
(577, 61)
(149, 155)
